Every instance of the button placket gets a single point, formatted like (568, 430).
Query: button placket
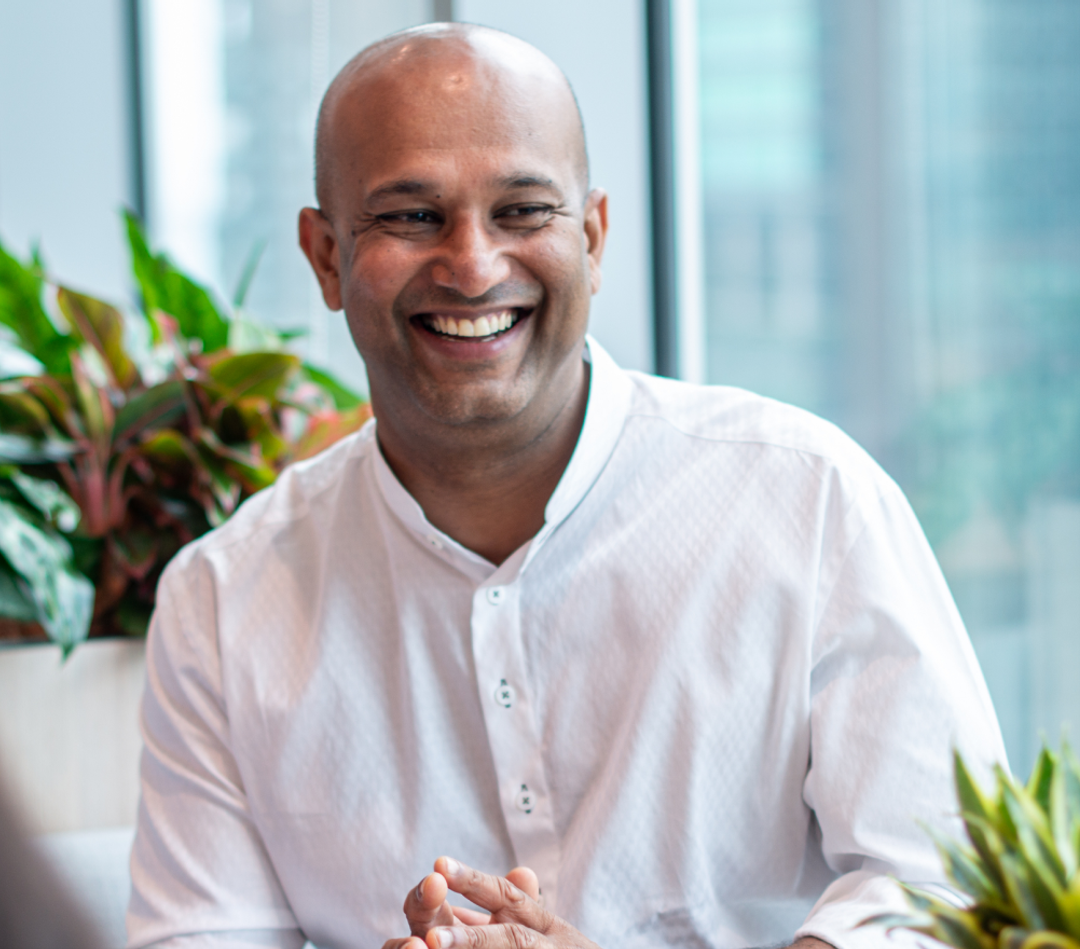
(513, 735)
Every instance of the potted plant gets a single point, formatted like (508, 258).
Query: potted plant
(125, 435)
(1020, 866)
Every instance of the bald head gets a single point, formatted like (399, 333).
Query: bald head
(487, 84)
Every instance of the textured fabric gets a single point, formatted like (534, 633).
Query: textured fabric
(719, 687)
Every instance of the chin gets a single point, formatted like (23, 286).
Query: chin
(476, 407)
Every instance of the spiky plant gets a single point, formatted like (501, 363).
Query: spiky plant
(1019, 868)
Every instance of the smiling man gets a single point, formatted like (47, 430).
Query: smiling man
(620, 661)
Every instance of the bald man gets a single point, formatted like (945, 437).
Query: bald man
(554, 654)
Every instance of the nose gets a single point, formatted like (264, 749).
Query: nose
(470, 260)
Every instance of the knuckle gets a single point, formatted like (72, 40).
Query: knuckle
(521, 937)
(509, 893)
(475, 936)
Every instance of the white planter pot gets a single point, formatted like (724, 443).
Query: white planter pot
(69, 737)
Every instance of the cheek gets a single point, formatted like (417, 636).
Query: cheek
(377, 275)
(563, 266)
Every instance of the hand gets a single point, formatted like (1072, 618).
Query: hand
(426, 907)
(515, 918)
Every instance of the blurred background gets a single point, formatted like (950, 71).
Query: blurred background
(867, 208)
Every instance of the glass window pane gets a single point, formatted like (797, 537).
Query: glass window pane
(892, 215)
(233, 91)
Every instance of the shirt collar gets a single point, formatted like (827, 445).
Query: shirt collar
(606, 410)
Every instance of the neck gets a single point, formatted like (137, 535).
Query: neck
(487, 488)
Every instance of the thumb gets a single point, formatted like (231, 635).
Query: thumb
(526, 881)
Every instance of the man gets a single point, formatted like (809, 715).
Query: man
(638, 663)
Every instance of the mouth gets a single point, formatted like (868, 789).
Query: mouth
(484, 326)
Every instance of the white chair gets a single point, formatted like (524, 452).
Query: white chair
(94, 864)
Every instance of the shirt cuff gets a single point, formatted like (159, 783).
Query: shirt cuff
(851, 899)
(236, 939)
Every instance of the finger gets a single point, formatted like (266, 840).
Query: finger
(526, 880)
(409, 942)
(426, 905)
(471, 917)
(497, 895)
(496, 936)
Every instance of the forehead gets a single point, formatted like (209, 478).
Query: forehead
(452, 117)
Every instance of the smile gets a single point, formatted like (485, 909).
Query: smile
(486, 326)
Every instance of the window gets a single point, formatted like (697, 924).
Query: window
(892, 240)
(233, 87)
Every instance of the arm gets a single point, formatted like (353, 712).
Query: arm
(199, 867)
(895, 687)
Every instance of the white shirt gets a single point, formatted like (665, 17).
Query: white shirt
(707, 703)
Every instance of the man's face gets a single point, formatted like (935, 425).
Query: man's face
(467, 249)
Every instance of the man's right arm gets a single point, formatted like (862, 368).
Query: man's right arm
(199, 867)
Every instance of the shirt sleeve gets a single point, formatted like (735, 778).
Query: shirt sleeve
(238, 939)
(198, 865)
(895, 687)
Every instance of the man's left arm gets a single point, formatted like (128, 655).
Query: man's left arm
(895, 688)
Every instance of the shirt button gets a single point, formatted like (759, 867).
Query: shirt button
(524, 800)
(496, 595)
(505, 694)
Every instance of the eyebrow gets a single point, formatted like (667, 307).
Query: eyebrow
(525, 180)
(409, 187)
(403, 186)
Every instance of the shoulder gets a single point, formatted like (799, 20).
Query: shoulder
(304, 491)
(728, 418)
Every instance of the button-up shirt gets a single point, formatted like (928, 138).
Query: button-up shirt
(707, 703)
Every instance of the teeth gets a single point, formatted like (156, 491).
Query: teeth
(481, 326)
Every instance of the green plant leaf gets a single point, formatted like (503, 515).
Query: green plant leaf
(344, 398)
(1070, 768)
(21, 309)
(962, 866)
(1060, 820)
(249, 469)
(63, 598)
(248, 274)
(16, 361)
(248, 375)
(23, 450)
(157, 406)
(1012, 937)
(246, 336)
(1049, 940)
(95, 409)
(166, 288)
(1032, 828)
(1042, 776)
(169, 448)
(972, 800)
(21, 412)
(14, 604)
(49, 498)
(1019, 889)
(101, 326)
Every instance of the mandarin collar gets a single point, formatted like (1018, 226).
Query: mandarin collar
(605, 413)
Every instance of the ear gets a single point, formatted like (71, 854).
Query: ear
(320, 246)
(596, 225)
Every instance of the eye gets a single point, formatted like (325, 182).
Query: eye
(526, 215)
(419, 218)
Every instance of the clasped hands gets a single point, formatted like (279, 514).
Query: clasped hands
(514, 918)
